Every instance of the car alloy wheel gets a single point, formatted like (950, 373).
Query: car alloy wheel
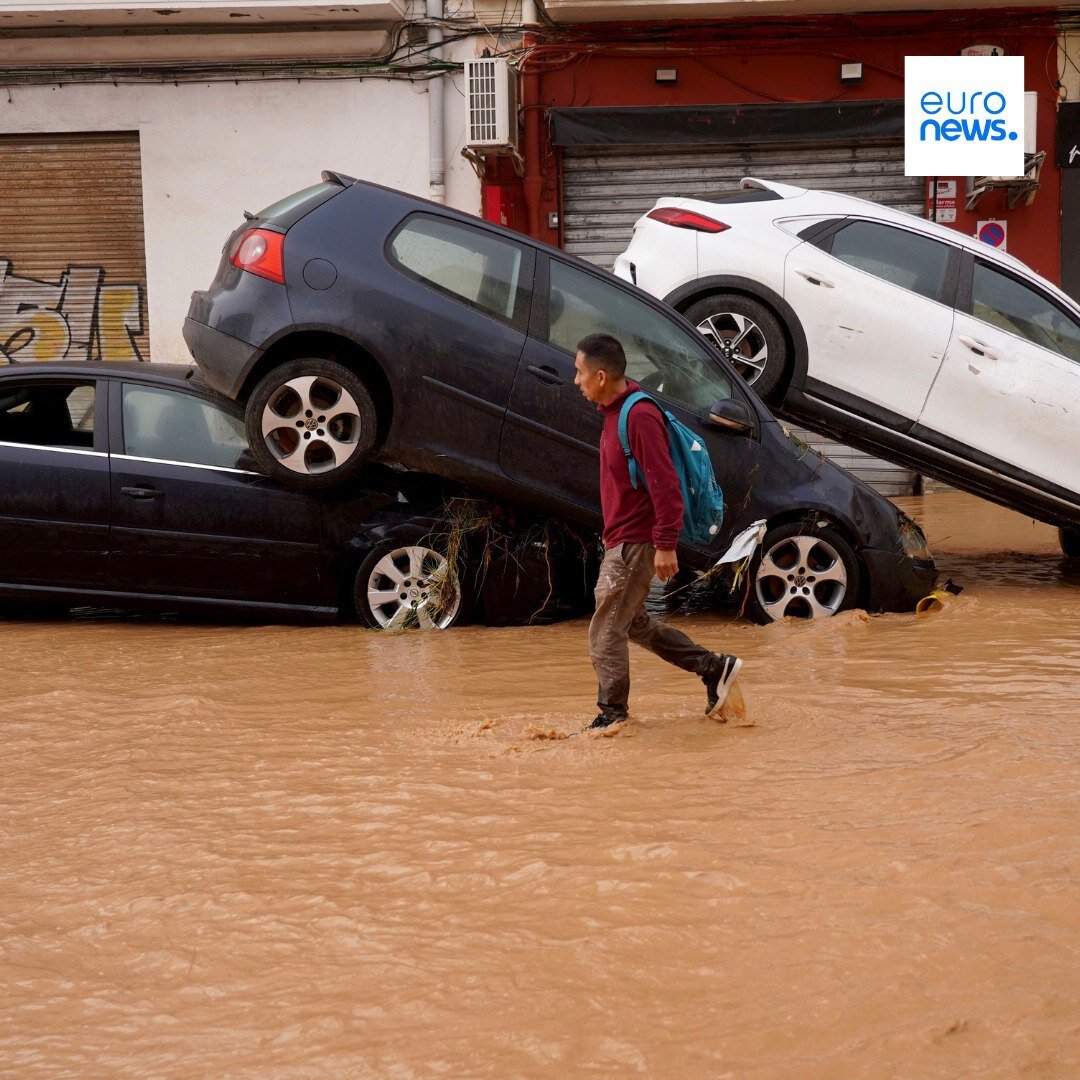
(311, 423)
(804, 572)
(740, 340)
(410, 587)
(748, 335)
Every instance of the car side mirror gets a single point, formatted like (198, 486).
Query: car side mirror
(732, 416)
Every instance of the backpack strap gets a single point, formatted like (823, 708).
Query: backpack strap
(624, 434)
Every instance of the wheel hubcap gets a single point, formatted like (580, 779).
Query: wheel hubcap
(311, 424)
(740, 340)
(802, 577)
(413, 586)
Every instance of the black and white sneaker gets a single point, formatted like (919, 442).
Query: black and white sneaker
(605, 719)
(718, 682)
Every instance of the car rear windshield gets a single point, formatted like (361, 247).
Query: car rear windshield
(738, 195)
(293, 207)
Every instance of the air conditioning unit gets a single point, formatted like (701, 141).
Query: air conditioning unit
(1020, 189)
(492, 94)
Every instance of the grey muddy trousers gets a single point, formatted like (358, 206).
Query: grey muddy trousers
(625, 579)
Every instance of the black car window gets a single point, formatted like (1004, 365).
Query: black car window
(660, 355)
(1004, 302)
(474, 266)
(913, 262)
(169, 425)
(818, 231)
(48, 414)
(739, 195)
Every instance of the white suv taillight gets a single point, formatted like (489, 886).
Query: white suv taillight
(687, 219)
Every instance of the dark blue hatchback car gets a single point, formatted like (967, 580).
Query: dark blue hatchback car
(355, 322)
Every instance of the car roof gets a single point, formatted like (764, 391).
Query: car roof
(164, 373)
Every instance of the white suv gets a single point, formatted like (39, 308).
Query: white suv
(898, 335)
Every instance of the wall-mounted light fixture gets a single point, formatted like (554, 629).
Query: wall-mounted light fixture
(851, 73)
(667, 75)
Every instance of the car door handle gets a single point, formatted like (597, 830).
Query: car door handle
(978, 347)
(142, 492)
(545, 374)
(814, 279)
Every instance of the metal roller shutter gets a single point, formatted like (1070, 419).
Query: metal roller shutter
(605, 190)
(72, 259)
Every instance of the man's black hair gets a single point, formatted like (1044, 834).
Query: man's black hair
(604, 352)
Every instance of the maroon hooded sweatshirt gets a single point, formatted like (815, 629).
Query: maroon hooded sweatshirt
(653, 513)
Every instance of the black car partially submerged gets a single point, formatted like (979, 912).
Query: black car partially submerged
(356, 322)
(131, 486)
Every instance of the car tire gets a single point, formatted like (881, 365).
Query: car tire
(1070, 541)
(396, 588)
(723, 317)
(282, 422)
(802, 570)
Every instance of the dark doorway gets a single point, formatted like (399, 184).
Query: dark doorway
(1070, 232)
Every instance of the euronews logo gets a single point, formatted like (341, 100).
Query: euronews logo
(963, 111)
(964, 115)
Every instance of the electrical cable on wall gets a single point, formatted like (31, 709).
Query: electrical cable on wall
(555, 47)
(407, 59)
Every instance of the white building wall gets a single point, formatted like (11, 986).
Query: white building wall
(212, 150)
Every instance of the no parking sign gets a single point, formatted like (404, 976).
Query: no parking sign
(992, 233)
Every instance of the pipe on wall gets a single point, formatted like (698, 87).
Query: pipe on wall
(436, 135)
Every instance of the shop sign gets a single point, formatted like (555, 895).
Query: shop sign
(941, 199)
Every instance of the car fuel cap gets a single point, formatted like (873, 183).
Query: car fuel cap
(320, 274)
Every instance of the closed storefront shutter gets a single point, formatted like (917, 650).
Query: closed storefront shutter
(72, 259)
(606, 190)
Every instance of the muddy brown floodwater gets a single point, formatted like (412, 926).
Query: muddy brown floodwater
(250, 852)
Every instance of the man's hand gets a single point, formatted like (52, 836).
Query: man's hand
(667, 565)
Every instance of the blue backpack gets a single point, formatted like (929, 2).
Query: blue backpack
(703, 501)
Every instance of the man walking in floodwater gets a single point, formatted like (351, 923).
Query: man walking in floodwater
(641, 529)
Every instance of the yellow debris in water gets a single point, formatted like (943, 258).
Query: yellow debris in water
(934, 602)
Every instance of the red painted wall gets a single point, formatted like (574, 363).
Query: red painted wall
(776, 61)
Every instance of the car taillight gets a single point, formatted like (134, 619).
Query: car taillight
(262, 252)
(687, 219)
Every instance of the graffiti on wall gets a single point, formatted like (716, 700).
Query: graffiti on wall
(80, 317)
